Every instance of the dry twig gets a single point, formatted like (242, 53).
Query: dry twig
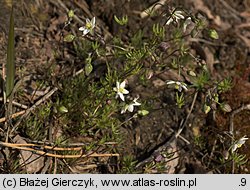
(3, 119)
(43, 153)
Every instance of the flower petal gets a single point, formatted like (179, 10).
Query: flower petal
(87, 21)
(178, 83)
(137, 104)
(184, 87)
(82, 28)
(186, 23)
(123, 111)
(234, 147)
(122, 85)
(169, 21)
(171, 82)
(131, 108)
(86, 31)
(121, 96)
(178, 15)
(117, 85)
(178, 88)
(93, 22)
(242, 140)
(124, 91)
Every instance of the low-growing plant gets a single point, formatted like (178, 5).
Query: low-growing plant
(97, 100)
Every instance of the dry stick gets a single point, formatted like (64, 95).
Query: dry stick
(16, 104)
(41, 146)
(41, 143)
(3, 119)
(55, 166)
(181, 137)
(70, 168)
(57, 155)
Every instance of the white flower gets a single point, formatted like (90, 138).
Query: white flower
(175, 16)
(130, 107)
(120, 89)
(178, 85)
(178, 15)
(186, 23)
(239, 143)
(89, 26)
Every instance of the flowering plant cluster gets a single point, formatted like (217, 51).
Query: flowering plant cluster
(89, 26)
(144, 56)
(120, 89)
(239, 143)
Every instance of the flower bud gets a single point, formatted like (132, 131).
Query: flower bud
(226, 107)
(71, 14)
(149, 74)
(192, 73)
(143, 112)
(206, 108)
(63, 109)
(213, 34)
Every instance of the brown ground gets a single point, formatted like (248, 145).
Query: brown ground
(38, 50)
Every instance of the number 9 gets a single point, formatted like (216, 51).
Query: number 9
(243, 181)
